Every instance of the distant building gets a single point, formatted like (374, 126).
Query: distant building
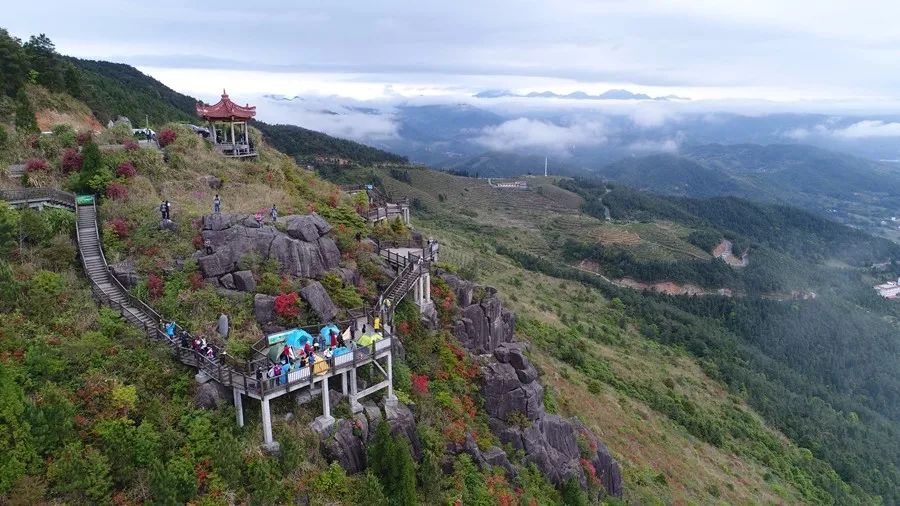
(889, 290)
(512, 185)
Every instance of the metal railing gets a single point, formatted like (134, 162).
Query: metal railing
(29, 195)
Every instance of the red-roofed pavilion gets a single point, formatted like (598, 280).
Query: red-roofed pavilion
(226, 114)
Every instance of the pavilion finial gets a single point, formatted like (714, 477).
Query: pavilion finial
(224, 95)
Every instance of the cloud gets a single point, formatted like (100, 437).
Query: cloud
(655, 146)
(340, 118)
(525, 133)
(865, 129)
(868, 128)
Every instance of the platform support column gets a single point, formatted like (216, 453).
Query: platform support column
(268, 441)
(238, 407)
(344, 382)
(390, 376)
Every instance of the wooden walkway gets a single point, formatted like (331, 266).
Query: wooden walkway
(223, 369)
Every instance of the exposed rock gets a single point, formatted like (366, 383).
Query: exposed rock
(233, 295)
(213, 182)
(608, 471)
(227, 282)
(373, 415)
(233, 236)
(484, 324)
(264, 308)
(318, 299)
(496, 457)
(244, 281)
(168, 225)
(345, 448)
(125, 273)
(210, 395)
(403, 422)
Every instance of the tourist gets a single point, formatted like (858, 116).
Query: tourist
(210, 354)
(163, 215)
(353, 331)
(302, 360)
(287, 353)
(259, 375)
(183, 335)
(274, 213)
(168, 209)
(285, 368)
(276, 373)
(377, 324)
(328, 353)
(333, 342)
(170, 329)
(312, 362)
(340, 341)
(217, 204)
(307, 349)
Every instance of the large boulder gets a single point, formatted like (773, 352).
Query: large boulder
(244, 281)
(345, 448)
(319, 301)
(126, 273)
(483, 325)
(302, 251)
(402, 422)
(264, 308)
(210, 395)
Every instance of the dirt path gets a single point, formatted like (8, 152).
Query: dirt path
(724, 251)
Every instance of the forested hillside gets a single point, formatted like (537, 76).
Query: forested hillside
(803, 338)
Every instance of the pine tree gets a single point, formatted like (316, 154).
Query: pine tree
(404, 488)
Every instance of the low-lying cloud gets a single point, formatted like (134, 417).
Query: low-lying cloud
(329, 116)
(525, 133)
(865, 129)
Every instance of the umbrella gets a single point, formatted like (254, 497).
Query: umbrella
(368, 339)
(342, 350)
(327, 329)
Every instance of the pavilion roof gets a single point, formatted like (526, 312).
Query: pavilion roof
(225, 109)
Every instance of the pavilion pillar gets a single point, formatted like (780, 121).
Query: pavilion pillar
(238, 407)
(232, 132)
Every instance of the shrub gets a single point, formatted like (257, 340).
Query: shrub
(120, 227)
(116, 191)
(71, 161)
(155, 286)
(166, 136)
(125, 169)
(36, 165)
(131, 145)
(286, 305)
(83, 137)
(420, 384)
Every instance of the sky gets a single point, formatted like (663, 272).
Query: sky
(774, 50)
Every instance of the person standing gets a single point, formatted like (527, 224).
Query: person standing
(162, 211)
(168, 210)
(217, 204)
(274, 213)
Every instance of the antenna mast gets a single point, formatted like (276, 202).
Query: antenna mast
(545, 166)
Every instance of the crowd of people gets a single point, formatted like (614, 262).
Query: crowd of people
(197, 343)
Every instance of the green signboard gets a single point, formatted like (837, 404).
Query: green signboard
(82, 200)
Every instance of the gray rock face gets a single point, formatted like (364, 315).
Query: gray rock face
(483, 325)
(244, 281)
(210, 395)
(345, 448)
(264, 308)
(402, 422)
(125, 273)
(317, 298)
(213, 182)
(304, 251)
(227, 282)
(548, 441)
(168, 225)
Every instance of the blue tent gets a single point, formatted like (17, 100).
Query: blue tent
(341, 350)
(297, 338)
(326, 331)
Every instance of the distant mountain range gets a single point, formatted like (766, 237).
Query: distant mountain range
(577, 95)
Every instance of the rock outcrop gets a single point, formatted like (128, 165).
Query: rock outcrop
(514, 401)
(319, 301)
(303, 250)
(484, 323)
(126, 273)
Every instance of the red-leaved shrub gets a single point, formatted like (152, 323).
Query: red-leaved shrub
(403, 328)
(71, 161)
(116, 191)
(126, 170)
(419, 384)
(36, 165)
(196, 281)
(155, 286)
(83, 137)
(286, 305)
(166, 136)
(120, 227)
(131, 145)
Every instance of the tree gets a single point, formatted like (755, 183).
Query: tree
(43, 58)
(81, 474)
(25, 120)
(13, 64)
(15, 433)
(391, 462)
(72, 81)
